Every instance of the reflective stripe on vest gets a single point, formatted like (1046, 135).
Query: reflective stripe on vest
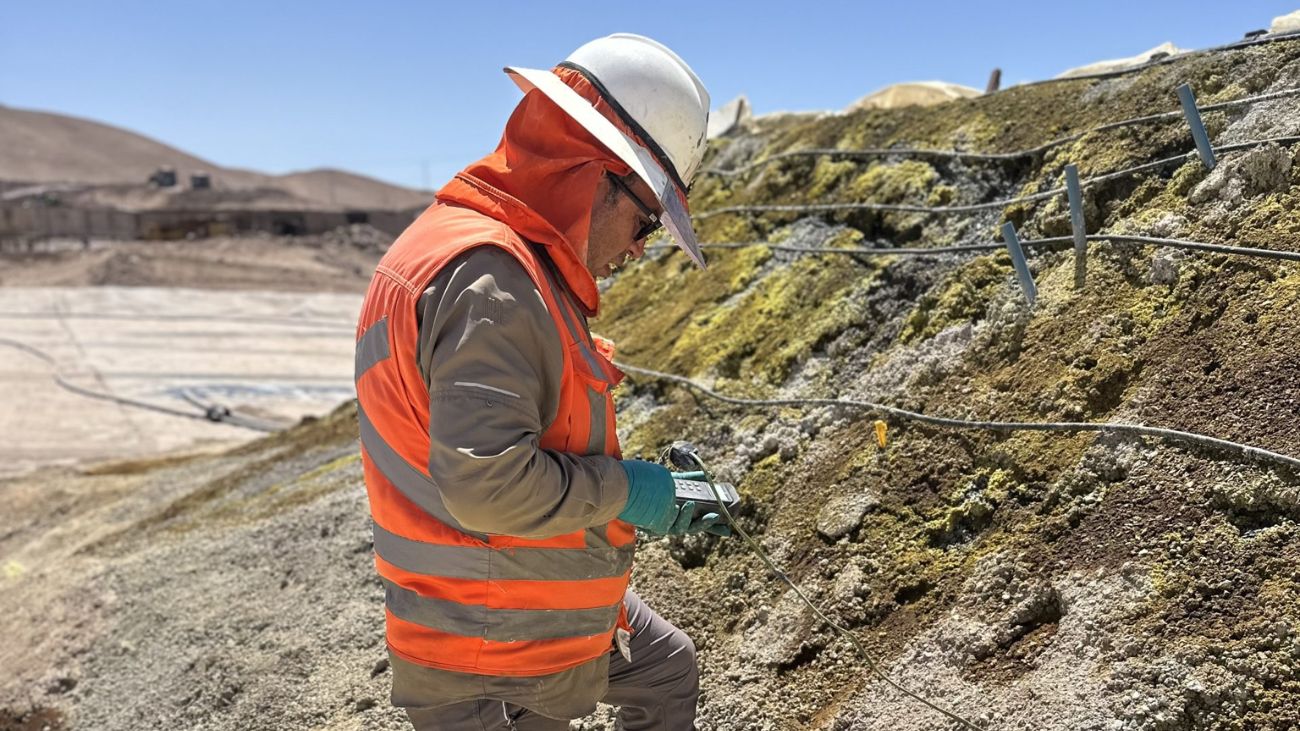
(525, 564)
(372, 347)
(498, 625)
(581, 336)
(457, 599)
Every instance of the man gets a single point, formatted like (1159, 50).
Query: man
(503, 515)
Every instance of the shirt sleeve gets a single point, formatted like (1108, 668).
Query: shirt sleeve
(492, 358)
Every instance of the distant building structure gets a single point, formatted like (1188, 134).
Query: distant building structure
(163, 177)
(200, 181)
(42, 215)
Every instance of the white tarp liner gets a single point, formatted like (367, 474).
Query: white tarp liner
(270, 355)
(913, 94)
(1119, 64)
(1289, 23)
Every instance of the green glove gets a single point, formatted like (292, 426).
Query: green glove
(652, 502)
(686, 522)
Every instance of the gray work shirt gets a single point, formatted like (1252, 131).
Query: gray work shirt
(487, 337)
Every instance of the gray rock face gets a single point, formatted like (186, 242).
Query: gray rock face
(844, 513)
(1254, 172)
(1165, 264)
(779, 635)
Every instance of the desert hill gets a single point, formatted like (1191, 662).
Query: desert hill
(44, 147)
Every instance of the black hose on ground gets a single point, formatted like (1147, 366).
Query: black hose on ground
(208, 412)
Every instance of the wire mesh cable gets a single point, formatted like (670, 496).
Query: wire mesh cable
(879, 152)
(993, 156)
(989, 205)
(1248, 43)
(1190, 438)
(1050, 242)
(1140, 430)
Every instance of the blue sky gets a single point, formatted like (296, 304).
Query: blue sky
(409, 92)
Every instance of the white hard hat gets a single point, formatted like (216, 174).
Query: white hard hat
(657, 96)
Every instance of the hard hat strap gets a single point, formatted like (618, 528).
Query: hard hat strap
(664, 161)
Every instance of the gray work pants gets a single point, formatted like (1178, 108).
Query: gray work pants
(657, 691)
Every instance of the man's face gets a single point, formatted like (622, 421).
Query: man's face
(615, 221)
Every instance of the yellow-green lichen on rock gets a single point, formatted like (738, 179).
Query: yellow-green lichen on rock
(1153, 336)
(964, 297)
(689, 329)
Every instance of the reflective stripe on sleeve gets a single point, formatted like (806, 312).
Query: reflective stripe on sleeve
(497, 625)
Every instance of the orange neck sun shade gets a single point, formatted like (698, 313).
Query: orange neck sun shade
(542, 180)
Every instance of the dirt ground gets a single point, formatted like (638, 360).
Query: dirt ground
(337, 262)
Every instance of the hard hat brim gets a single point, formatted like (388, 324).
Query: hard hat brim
(675, 218)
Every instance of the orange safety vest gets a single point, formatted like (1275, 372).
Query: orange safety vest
(455, 599)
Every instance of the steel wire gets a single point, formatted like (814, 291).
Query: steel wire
(1245, 450)
(1050, 242)
(1278, 38)
(975, 207)
(994, 156)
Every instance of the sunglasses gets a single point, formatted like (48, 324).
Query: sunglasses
(654, 224)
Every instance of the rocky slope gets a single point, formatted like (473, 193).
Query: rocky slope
(1027, 580)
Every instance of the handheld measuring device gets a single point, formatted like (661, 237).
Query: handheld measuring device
(706, 502)
(698, 491)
